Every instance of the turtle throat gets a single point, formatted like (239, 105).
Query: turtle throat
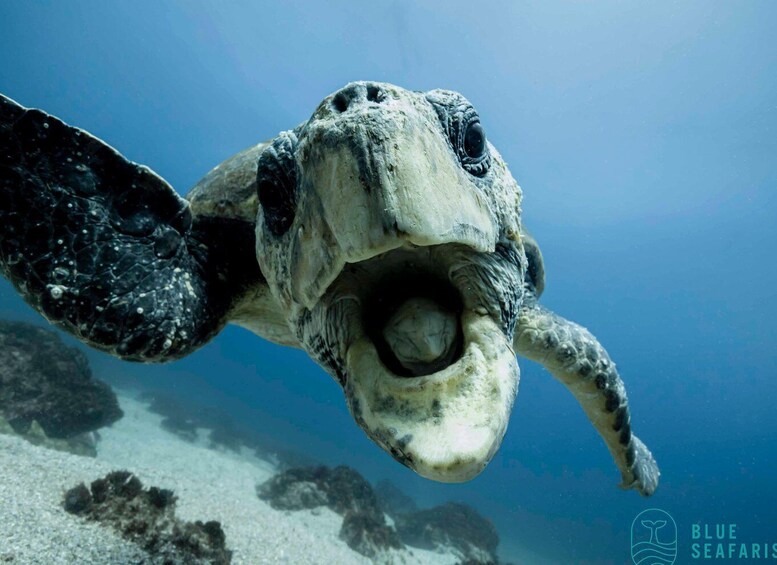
(413, 317)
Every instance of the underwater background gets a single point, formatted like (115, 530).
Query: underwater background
(644, 138)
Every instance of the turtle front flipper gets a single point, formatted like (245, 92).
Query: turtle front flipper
(575, 357)
(106, 249)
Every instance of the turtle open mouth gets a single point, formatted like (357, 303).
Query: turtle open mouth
(408, 308)
(414, 319)
(422, 339)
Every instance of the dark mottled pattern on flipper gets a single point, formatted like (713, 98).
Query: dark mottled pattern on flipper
(575, 357)
(106, 249)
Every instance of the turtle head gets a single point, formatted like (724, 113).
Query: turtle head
(389, 231)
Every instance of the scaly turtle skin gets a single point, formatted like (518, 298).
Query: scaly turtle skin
(382, 236)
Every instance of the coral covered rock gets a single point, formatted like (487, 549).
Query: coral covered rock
(368, 535)
(45, 382)
(147, 517)
(343, 490)
(393, 501)
(348, 491)
(451, 525)
(454, 527)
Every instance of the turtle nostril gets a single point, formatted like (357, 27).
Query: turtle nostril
(356, 95)
(375, 94)
(340, 102)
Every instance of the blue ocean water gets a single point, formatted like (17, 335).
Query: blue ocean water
(644, 138)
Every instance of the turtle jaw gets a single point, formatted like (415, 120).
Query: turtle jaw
(446, 425)
(446, 422)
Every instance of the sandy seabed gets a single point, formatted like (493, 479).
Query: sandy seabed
(210, 485)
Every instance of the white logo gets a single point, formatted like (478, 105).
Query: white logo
(653, 538)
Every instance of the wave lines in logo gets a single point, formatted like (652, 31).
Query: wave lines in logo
(653, 538)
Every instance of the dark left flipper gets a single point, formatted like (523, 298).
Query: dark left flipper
(575, 357)
(105, 248)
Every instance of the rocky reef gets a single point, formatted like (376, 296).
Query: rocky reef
(343, 490)
(452, 526)
(192, 423)
(368, 534)
(147, 518)
(47, 392)
(393, 501)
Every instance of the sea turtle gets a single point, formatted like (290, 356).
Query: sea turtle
(382, 236)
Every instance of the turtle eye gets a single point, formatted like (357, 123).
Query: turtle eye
(474, 141)
(460, 121)
(469, 141)
(276, 183)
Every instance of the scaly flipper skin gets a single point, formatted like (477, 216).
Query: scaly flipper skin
(106, 249)
(576, 358)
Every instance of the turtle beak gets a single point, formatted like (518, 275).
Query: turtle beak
(365, 194)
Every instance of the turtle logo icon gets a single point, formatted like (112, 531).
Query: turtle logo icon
(653, 538)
